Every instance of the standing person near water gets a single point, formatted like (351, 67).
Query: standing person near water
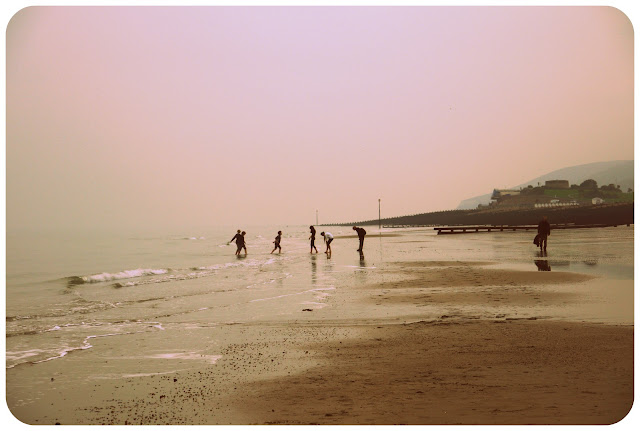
(313, 238)
(361, 233)
(544, 230)
(327, 239)
(239, 241)
(244, 244)
(277, 243)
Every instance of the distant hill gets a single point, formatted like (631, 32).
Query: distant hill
(619, 172)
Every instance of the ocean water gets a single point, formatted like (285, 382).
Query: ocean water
(66, 290)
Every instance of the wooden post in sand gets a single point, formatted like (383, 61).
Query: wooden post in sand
(379, 224)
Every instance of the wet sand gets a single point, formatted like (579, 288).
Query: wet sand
(462, 368)
(452, 372)
(420, 343)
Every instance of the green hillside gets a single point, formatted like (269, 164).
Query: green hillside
(619, 172)
(581, 196)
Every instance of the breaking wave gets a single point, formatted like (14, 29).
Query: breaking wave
(132, 275)
(106, 276)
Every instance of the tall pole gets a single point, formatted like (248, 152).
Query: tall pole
(379, 223)
(316, 217)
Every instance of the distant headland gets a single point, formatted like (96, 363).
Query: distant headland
(558, 195)
(619, 172)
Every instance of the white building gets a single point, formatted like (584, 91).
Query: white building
(597, 201)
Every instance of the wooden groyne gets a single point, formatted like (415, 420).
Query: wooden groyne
(484, 228)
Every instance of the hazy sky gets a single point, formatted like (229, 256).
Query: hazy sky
(130, 116)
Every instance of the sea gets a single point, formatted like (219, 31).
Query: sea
(64, 289)
(67, 289)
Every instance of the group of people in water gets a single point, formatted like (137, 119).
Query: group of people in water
(328, 238)
(544, 230)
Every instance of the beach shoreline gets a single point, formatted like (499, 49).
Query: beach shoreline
(179, 185)
(432, 342)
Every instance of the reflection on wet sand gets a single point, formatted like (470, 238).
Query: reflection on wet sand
(361, 272)
(314, 270)
(543, 265)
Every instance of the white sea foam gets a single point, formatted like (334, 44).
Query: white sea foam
(131, 273)
(316, 292)
(16, 356)
(188, 356)
(128, 376)
(315, 305)
(159, 326)
(117, 376)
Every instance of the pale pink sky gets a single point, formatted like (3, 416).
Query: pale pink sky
(131, 116)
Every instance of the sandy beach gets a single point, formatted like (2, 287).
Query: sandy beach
(188, 190)
(413, 341)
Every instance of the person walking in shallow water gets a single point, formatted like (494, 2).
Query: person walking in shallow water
(313, 238)
(327, 239)
(544, 230)
(239, 241)
(244, 244)
(277, 243)
(361, 233)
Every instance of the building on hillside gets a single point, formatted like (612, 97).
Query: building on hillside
(557, 184)
(597, 201)
(500, 193)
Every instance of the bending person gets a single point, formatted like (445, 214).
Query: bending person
(361, 233)
(327, 239)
